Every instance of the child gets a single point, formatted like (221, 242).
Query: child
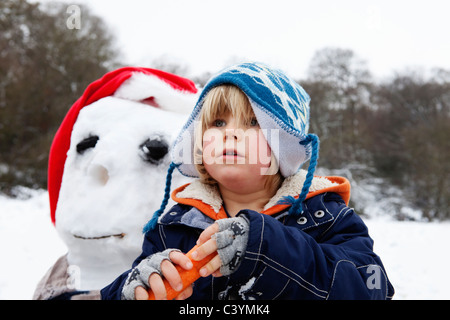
(276, 232)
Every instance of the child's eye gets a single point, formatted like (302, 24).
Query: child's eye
(219, 123)
(254, 122)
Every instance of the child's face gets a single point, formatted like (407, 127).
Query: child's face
(236, 155)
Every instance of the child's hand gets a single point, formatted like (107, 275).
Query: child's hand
(149, 274)
(169, 272)
(207, 245)
(229, 238)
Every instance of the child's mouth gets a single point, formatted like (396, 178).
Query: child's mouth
(230, 153)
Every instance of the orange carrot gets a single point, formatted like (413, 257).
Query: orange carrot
(188, 277)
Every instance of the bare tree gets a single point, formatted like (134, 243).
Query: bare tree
(340, 85)
(44, 68)
(411, 138)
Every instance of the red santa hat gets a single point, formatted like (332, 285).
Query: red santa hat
(154, 87)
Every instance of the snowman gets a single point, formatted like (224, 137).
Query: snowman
(106, 175)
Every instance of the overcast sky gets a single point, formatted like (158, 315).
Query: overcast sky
(207, 34)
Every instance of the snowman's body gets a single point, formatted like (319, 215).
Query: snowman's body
(113, 181)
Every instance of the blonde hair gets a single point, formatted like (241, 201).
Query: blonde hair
(220, 101)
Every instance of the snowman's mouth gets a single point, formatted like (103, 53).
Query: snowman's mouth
(119, 235)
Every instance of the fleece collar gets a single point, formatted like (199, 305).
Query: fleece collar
(206, 198)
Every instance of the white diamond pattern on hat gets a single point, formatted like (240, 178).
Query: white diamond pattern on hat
(289, 103)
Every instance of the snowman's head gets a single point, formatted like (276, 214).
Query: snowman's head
(114, 173)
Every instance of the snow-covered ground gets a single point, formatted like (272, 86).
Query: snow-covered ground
(415, 254)
(29, 244)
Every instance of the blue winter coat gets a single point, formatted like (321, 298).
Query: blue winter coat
(324, 253)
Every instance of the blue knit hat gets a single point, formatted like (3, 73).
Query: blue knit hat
(279, 104)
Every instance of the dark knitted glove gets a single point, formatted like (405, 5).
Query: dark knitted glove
(140, 274)
(231, 242)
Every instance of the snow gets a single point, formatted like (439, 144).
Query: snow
(415, 254)
(29, 244)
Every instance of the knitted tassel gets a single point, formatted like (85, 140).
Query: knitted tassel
(296, 205)
(154, 220)
(286, 200)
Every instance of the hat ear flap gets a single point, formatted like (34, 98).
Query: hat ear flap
(314, 140)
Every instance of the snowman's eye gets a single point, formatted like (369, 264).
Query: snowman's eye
(153, 150)
(87, 143)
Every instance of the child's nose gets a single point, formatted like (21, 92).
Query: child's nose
(233, 134)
